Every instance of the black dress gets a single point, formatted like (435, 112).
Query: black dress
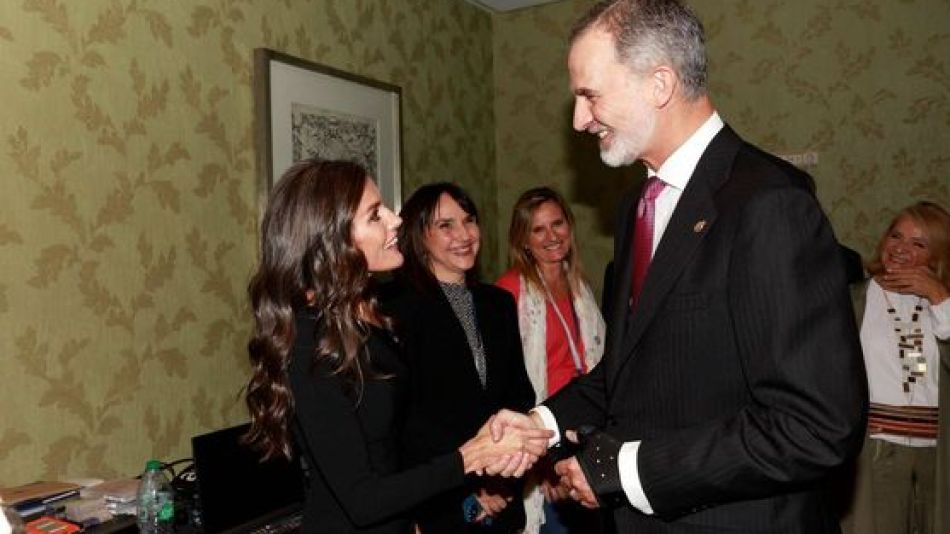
(349, 439)
(447, 401)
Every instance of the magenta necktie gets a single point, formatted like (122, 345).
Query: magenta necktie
(643, 234)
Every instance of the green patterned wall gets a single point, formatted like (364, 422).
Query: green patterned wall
(865, 84)
(128, 213)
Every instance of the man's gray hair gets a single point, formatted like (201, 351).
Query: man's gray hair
(653, 32)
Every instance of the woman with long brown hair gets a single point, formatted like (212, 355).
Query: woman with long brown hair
(328, 380)
(562, 331)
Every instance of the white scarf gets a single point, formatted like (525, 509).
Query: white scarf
(532, 322)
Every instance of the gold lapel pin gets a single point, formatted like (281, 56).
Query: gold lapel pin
(699, 226)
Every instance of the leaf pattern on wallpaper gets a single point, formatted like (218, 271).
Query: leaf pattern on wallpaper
(216, 335)
(922, 109)
(933, 69)
(222, 16)
(867, 11)
(158, 25)
(164, 430)
(98, 461)
(202, 408)
(54, 14)
(11, 440)
(61, 454)
(236, 154)
(126, 380)
(51, 263)
(65, 392)
(109, 26)
(152, 99)
(182, 318)
(853, 62)
(41, 69)
(9, 236)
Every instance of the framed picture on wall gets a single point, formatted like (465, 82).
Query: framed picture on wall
(304, 109)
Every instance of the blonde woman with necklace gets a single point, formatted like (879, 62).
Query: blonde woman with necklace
(562, 331)
(904, 315)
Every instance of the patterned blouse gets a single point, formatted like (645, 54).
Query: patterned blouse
(460, 298)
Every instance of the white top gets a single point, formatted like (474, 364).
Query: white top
(675, 172)
(879, 342)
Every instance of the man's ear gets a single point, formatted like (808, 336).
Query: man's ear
(665, 84)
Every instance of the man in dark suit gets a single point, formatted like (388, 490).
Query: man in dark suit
(733, 383)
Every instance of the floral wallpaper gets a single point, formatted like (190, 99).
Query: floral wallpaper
(863, 84)
(129, 208)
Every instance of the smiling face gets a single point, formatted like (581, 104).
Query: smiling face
(451, 241)
(549, 237)
(610, 100)
(374, 231)
(905, 245)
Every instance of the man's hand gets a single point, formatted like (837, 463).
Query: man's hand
(554, 491)
(508, 418)
(573, 477)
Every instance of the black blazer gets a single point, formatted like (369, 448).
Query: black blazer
(447, 404)
(740, 368)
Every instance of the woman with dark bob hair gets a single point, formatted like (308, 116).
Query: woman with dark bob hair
(327, 374)
(463, 353)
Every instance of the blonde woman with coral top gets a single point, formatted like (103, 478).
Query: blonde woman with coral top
(562, 330)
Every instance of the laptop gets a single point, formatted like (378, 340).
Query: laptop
(239, 493)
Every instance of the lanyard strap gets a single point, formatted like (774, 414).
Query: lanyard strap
(572, 345)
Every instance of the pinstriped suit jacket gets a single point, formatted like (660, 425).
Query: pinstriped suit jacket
(740, 368)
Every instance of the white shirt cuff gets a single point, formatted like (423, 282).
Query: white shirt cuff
(550, 423)
(630, 477)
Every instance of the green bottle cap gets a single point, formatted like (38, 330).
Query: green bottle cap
(153, 465)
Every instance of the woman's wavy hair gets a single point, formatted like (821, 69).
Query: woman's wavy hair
(519, 231)
(307, 259)
(934, 220)
(417, 215)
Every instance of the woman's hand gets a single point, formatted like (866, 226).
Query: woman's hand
(492, 503)
(920, 281)
(510, 455)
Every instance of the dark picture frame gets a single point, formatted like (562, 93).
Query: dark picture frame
(305, 109)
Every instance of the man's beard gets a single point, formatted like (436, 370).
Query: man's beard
(627, 148)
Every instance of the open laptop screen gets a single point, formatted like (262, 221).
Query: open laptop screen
(237, 490)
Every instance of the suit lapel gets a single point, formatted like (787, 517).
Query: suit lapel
(623, 273)
(693, 218)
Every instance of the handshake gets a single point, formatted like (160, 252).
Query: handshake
(510, 443)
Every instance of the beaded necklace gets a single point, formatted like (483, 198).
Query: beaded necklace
(910, 344)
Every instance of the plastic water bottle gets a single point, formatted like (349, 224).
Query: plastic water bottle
(156, 501)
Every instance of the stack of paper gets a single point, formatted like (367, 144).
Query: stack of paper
(119, 495)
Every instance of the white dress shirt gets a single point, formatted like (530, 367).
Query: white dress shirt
(675, 173)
